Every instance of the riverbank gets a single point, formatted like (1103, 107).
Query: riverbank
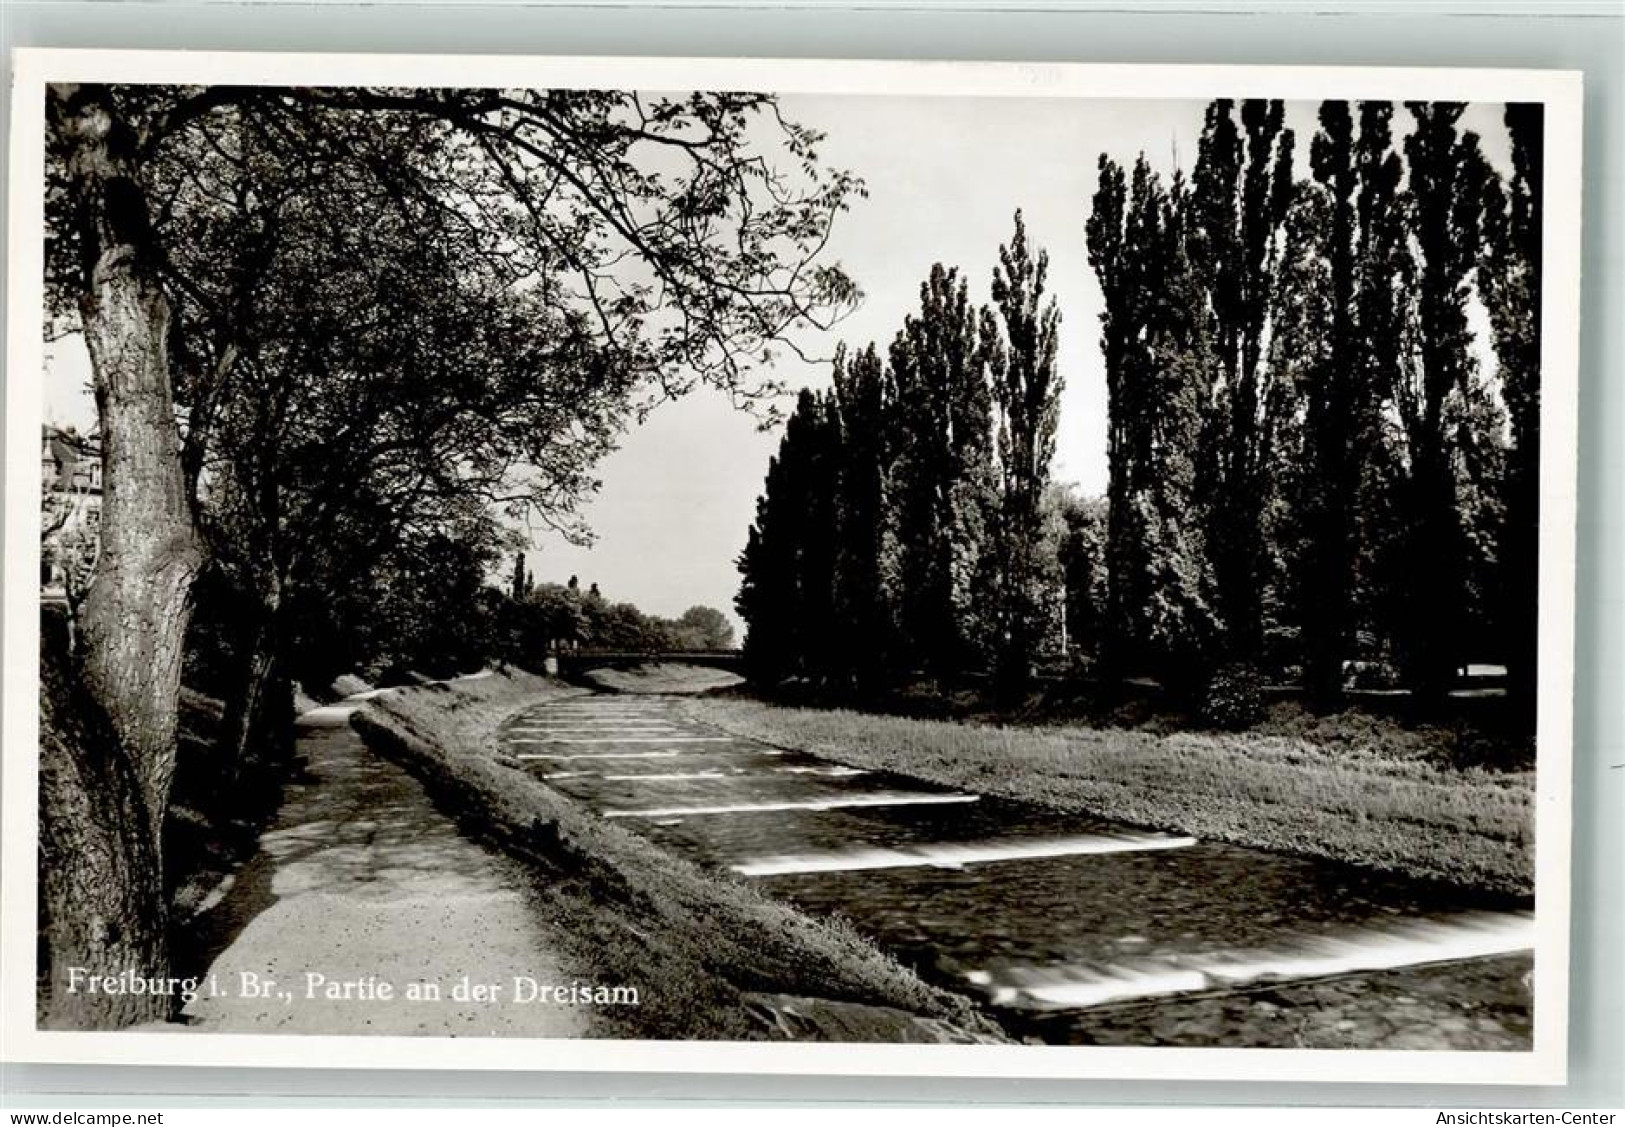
(1345, 800)
(710, 957)
(661, 677)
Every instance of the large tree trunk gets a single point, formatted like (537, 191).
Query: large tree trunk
(101, 889)
(139, 601)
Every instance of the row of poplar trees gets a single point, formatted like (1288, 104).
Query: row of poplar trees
(903, 528)
(1308, 462)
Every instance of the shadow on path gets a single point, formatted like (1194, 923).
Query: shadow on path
(359, 878)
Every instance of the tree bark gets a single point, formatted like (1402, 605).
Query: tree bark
(139, 601)
(101, 889)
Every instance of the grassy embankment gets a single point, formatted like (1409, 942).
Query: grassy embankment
(711, 957)
(1350, 788)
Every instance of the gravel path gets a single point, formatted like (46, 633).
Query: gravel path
(361, 881)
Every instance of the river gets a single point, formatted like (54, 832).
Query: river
(1069, 929)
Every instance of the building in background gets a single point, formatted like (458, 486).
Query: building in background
(70, 512)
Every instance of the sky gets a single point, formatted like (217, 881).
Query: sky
(945, 177)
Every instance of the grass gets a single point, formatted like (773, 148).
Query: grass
(1456, 733)
(1381, 798)
(711, 957)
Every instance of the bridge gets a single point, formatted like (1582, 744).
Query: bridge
(574, 664)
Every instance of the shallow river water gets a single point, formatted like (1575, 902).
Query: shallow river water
(1070, 929)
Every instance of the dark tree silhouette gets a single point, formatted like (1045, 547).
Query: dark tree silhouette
(942, 481)
(865, 583)
(1445, 171)
(1027, 407)
(663, 229)
(1510, 282)
(1338, 408)
(1240, 190)
(1161, 367)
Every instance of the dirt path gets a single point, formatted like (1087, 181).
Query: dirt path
(361, 880)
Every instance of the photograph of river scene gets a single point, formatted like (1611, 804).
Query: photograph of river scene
(691, 564)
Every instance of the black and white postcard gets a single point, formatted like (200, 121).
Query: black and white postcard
(766, 566)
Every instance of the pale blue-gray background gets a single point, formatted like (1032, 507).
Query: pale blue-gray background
(1584, 36)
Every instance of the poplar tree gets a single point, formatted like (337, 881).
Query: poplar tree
(519, 584)
(1180, 367)
(1335, 400)
(1444, 198)
(1299, 357)
(864, 584)
(818, 602)
(941, 484)
(1510, 285)
(1026, 394)
(767, 600)
(1240, 191)
(1118, 266)
(1161, 368)
(1387, 318)
(787, 594)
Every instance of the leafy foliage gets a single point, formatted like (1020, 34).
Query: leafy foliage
(333, 330)
(1296, 418)
(1027, 407)
(1296, 369)
(903, 525)
(551, 619)
(1161, 367)
(391, 310)
(1240, 191)
(1233, 699)
(1445, 172)
(1509, 283)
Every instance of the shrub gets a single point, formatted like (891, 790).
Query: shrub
(1371, 675)
(1233, 699)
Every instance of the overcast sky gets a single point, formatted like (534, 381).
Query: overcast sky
(945, 177)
